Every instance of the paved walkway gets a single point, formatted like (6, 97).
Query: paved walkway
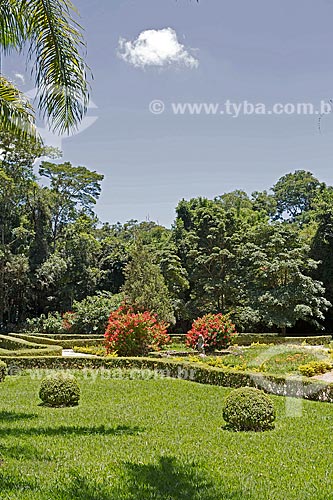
(326, 377)
(69, 353)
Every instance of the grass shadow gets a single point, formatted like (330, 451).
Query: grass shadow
(166, 480)
(9, 416)
(64, 430)
(27, 452)
(169, 480)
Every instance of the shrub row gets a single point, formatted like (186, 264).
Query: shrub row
(8, 342)
(54, 350)
(69, 343)
(280, 385)
(10, 346)
(61, 336)
(3, 371)
(271, 338)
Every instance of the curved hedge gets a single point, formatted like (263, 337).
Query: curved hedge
(300, 387)
(10, 346)
(60, 336)
(68, 343)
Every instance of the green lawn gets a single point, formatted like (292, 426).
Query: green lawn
(156, 439)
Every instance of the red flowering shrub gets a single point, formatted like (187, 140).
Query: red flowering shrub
(216, 330)
(134, 334)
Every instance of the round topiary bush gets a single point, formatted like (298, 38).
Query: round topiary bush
(3, 371)
(60, 389)
(248, 409)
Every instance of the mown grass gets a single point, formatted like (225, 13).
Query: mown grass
(156, 440)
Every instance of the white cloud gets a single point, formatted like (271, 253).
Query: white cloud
(20, 77)
(157, 48)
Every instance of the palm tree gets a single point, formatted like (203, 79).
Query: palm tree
(55, 45)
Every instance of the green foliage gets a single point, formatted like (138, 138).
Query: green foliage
(12, 346)
(295, 194)
(315, 368)
(65, 341)
(225, 255)
(60, 389)
(54, 45)
(3, 371)
(248, 409)
(52, 323)
(89, 316)
(145, 288)
(276, 277)
(92, 313)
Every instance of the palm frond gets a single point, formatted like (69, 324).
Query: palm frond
(16, 113)
(12, 25)
(61, 73)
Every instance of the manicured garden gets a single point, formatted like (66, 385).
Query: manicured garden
(154, 418)
(156, 439)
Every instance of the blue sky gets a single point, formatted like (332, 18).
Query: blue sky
(254, 50)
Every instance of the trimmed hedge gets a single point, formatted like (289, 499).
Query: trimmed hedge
(272, 338)
(301, 387)
(248, 409)
(10, 346)
(3, 371)
(60, 389)
(69, 343)
(60, 336)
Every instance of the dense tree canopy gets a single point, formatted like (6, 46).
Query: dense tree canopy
(266, 259)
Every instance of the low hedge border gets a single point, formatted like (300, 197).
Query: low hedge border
(245, 339)
(54, 350)
(19, 347)
(72, 341)
(301, 387)
(60, 336)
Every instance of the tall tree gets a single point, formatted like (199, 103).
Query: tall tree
(294, 194)
(144, 287)
(276, 277)
(72, 189)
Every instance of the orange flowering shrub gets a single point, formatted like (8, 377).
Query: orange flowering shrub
(134, 334)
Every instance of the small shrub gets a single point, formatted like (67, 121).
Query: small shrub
(88, 316)
(315, 368)
(249, 409)
(134, 334)
(216, 330)
(60, 389)
(92, 313)
(52, 323)
(3, 371)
